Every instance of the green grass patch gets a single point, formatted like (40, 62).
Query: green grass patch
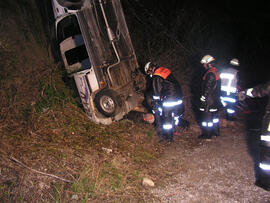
(57, 193)
(151, 134)
(52, 95)
(142, 155)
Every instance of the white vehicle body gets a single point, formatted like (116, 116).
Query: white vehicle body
(97, 52)
(59, 10)
(69, 45)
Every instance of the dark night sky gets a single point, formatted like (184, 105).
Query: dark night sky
(241, 30)
(249, 23)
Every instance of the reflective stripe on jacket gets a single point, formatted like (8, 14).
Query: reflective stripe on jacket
(165, 84)
(228, 79)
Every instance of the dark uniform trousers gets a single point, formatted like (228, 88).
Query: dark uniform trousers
(210, 124)
(264, 164)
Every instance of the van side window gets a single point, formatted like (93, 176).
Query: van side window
(78, 54)
(67, 27)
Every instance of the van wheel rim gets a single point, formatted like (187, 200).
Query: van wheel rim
(107, 104)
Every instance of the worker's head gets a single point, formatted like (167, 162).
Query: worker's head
(207, 61)
(149, 68)
(235, 62)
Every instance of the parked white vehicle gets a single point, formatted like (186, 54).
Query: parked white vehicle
(97, 52)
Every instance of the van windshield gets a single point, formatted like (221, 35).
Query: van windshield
(77, 54)
(67, 27)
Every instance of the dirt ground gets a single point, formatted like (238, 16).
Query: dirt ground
(220, 170)
(188, 170)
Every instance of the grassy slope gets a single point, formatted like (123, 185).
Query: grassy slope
(42, 127)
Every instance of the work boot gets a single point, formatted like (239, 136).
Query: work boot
(169, 138)
(205, 134)
(165, 140)
(216, 133)
(206, 137)
(261, 184)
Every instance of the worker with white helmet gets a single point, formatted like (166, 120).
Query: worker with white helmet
(229, 88)
(164, 87)
(209, 100)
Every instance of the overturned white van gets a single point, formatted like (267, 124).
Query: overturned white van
(97, 52)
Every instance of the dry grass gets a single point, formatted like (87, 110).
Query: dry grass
(47, 140)
(50, 150)
(67, 145)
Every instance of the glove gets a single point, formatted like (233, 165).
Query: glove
(249, 92)
(241, 96)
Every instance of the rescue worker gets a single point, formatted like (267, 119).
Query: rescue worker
(209, 100)
(166, 89)
(229, 85)
(263, 179)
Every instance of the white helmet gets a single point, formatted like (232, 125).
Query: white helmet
(149, 67)
(207, 59)
(146, 67)
(234, 62)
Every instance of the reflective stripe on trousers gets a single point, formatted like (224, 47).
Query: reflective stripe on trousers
(210, 123)
(265, 150)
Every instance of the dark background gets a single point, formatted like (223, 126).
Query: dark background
(224, 29)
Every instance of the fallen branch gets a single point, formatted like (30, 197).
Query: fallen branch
(36, 171)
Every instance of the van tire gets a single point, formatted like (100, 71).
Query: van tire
(106, 102)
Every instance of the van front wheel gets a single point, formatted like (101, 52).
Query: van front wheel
(106, 102)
